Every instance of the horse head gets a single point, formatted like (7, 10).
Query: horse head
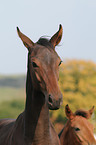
(43, 64)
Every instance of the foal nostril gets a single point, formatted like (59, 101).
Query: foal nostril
(50, 99)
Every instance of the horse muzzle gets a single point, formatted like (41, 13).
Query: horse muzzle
(54, 104)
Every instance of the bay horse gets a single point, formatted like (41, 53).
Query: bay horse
(33, 127)
(78, 130)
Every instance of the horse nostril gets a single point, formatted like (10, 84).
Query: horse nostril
(50, 99)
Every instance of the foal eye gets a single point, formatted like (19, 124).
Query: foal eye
(77, 129)
(60, 62)
(34, 64)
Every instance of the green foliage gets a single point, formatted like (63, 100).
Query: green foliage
(78, 86)
(12, 81)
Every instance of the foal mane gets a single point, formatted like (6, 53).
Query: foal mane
(83, 113)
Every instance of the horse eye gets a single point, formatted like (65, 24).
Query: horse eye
(60, 62)
(34, 64)
(77, 129)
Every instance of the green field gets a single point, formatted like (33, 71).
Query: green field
(77, 83)
(12, 102)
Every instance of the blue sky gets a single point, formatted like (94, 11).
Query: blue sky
(37, 18)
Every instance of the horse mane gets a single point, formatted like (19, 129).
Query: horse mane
(44, 42)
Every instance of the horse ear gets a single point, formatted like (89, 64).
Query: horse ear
(85, 114)
(56, 38)
(68, 112)
(26, 41)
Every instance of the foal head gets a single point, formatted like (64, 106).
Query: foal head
(78, 130)
(43, 65)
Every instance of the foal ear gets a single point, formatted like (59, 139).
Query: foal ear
(91, 111)
(56, 38)
(26, 41)
(70, 115)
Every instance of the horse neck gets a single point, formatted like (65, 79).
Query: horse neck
(36, 113)
(68, 137)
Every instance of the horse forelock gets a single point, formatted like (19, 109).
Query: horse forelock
(45, 42)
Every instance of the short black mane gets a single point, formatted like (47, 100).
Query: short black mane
(81, 113)
(44, 42)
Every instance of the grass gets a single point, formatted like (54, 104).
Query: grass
(12, 102)
(11, 109)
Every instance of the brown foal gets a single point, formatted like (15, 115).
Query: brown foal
(78, 130)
